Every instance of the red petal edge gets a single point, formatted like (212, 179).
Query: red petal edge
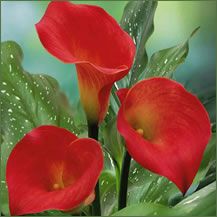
(45, 156)
(181, 132)
(122, 93)
(89, 37)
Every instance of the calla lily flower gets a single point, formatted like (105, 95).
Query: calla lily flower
(166, 129)
(51, 169)
(91, 39)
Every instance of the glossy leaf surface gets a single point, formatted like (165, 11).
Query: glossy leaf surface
(163, 63)
(27, 101)
(138, 21)
(199, 204)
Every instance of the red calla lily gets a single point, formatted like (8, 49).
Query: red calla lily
(90, 38)
(166, 129)
(50, 168)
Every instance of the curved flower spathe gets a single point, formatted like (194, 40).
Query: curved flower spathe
(90, 38)
(166, 129)
(50, 168)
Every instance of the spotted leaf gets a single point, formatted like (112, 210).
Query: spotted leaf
(164, 62)
(27, 101)
(201, 203)
(108, 192)
(145, 186)
(138, 21)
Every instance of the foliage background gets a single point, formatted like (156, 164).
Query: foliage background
(174, 21)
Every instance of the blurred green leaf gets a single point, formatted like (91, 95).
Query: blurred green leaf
(209, 178)
(207, 96)
(114, 103)
(27, 101)
(210, 105)
(165, 62)
(50, 213)
(138, 21)
(208, 158)
(203, 85)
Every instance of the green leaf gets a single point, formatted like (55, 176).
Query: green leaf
(145, 186)
(202, 202)
(146, 209)
(108, 186)
(209, 178)
(108, 193)
(114, 101)
(50, 213)
(210, 106)
(164, 62)
(207, 95)
(113, 142)
(203, 85)
(208, 158)
(137, 20)
(27, 101)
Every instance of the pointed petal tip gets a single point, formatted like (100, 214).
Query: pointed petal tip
(182, 119)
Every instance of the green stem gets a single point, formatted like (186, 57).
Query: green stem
(93, 131)
(122, 201)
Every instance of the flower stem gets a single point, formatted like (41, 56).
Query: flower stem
(122, 201)
(93, 131)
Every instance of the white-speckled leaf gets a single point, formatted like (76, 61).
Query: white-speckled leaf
(108, 193)
(201, 203)
(138, 21)
(27, 101)
(145, 186)
(163, 63)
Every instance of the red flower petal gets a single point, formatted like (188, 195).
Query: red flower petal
(121, 93)
(50, 168)
(89, 37)
(166, 129)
